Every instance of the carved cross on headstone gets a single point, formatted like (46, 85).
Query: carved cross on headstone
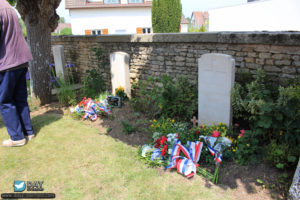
(194, 121)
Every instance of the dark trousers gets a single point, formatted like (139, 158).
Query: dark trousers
(13, 103)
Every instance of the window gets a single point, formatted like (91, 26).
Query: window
(120, 31)
(111, 1)
(143, 30)
(146, 30)
(135, 1)
(95, 0)
(96, 32)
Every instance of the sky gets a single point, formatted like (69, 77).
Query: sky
(188, 6)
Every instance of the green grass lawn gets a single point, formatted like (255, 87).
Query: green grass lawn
(75, 162)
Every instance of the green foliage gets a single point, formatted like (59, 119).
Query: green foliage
(194, 133)
(93, 83)
(166, 16)
(66, 31)
(164, 97)
(273, 114)
(11, 2)
(179, 98)
(164, 126)
(201, 29)
(22, 24)
(77, 116)
(147, 98)
(147, 160)
(127, 127)
(280, 155)
(248, 149)
(65, 93)
(61, 20)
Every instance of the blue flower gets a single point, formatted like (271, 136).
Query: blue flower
(27, 76)
(69, 65)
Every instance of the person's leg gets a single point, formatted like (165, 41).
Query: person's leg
(20, 99)
(8, 109)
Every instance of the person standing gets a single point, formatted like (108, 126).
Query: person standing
(14, 58)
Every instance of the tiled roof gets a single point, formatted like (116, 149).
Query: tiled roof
(184, 20)
(61, 26)
(199, 18)
(77, 4)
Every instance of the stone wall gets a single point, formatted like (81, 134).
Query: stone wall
(278, 53)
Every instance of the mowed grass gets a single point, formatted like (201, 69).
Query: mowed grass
(75, 162)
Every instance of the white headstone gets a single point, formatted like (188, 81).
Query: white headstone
(215, 81)
(59, 60)
(119, 68)
(294, 192)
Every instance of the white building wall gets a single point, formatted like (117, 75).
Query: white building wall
(184, 28)
(116, 20)
(269, 15)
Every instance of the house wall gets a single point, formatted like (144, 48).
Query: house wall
(184, 28)
(270, 15)
(278, 53)
(113, 19)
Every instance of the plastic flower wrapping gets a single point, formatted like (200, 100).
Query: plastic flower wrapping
(91, 108)
(216, 145)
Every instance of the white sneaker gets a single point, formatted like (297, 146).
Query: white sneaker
(11, 143)
(29, 137)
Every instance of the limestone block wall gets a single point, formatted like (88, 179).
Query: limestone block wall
(278, 53)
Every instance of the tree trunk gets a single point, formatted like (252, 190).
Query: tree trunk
(40, 19)
(39, 40)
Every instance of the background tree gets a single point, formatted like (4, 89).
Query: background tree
(62, 20)
(40, 19)
(166, 16)
(66, 31)
(23, 27)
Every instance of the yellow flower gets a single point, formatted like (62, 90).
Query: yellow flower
(233, 150)
(173, 121)
(203, 125)
(152, 125)
(154, 121)
(281, 132)
(239, 137)
(229, 138)
(223, 128)
(220, 124)
(120, 88)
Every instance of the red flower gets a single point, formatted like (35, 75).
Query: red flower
(216, 134)
(164, 150)
(163, 139)
(177, 135)
(197, 132)
(156, 145)
(242, 132)
(236, 125)
(157, 141)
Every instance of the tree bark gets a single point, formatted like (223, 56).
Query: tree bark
(40, 19)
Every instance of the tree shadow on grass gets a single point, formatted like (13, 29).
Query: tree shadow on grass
(42, 120)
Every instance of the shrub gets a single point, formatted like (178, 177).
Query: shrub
(273, 114)
(164, 97)
(93, 83)
(147, 98)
